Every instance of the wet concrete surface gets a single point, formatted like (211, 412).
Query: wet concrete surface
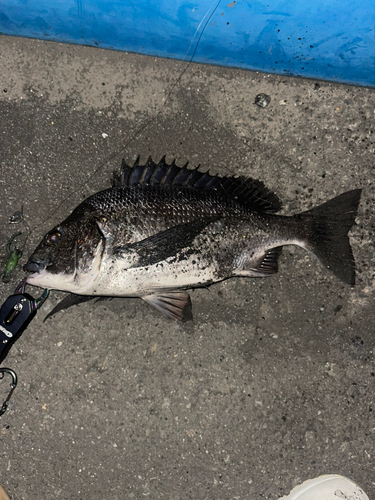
(274, 381)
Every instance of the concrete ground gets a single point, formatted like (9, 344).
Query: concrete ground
(274, 381)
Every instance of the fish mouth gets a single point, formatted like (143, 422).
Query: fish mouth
(34, 267)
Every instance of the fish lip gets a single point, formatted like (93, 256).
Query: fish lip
(34, 267)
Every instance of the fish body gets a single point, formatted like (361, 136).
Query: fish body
(161, 230)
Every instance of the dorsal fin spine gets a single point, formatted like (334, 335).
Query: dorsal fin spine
(165, 175)
(250, 193)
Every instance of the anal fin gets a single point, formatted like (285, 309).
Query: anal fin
(268, 264)
(174, 304)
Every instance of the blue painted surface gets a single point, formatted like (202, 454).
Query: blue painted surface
(332, 40)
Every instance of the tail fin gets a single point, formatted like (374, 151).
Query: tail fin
(328, 239)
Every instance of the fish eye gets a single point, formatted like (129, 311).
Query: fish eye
(54, 236)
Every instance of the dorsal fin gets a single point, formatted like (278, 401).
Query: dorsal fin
(248, 192)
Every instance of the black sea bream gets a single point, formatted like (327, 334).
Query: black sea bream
(161, 230)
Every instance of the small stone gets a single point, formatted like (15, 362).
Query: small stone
(262, 100)
(16, 217)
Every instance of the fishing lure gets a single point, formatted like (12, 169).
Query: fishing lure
(11, 259)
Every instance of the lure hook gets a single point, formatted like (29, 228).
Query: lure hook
(13, 385)
(36, 303)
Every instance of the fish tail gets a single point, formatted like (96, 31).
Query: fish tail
(328, 227)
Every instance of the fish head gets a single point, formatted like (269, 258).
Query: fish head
(69, 256)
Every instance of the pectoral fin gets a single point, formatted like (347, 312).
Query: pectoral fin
(168, 243)
(174, 304)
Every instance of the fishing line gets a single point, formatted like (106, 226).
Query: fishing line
(204, 21)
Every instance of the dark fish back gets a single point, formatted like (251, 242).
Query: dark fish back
(249, 193)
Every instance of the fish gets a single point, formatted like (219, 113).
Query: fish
(162, 229)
